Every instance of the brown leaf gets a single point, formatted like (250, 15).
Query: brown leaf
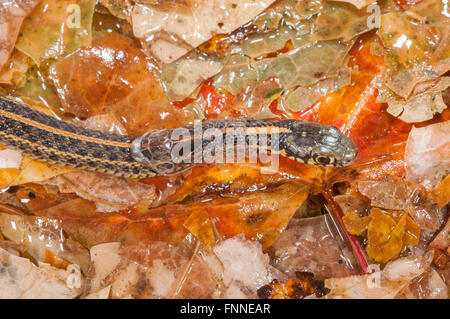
(421, 107)
(385, 284)
(12, 14)
(22, 279)
(43, 238)
(395, 193)
(110, 193)
(151, 270)
(115, 77)
(245, 267)
(308, 244)
(417, 45)
(189, 23)
(427, 154)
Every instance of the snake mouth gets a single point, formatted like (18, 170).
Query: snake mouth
(350, 154)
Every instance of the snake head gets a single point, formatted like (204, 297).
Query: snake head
(317, 144)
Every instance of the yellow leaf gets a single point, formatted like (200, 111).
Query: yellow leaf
(199, 224)
(356, 225)
(31, 171)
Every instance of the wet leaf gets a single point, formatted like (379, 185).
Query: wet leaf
(12, 14)
(234, 179)
(358, 3)
(53, 29)
(260, 216)
(10, 159)
(417, 46)
(391, 192)
(22, 279)
(302, 286)
(421, 107)
(305, 96)
(13, 72)
(387, 236)
(191, 23)
(312, 244)
(152, 270)
(385, 284)
(127, 77)
(353, 203)
(428, 285)
(427, 154)
(119, 8)
(110, 193)
(304, 66)
(442, 241)
(199, 224)
(183, 76)
(340, 20)
(30, 171)
(441, 193)
(246, 267)
(355, 224)
(44, 240)
(397, 194)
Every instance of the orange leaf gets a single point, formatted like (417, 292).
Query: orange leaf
(356, 225)
(441, 193)
(114, 76)
(385, 236)
(198, 223)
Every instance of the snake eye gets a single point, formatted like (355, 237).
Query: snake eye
(322, 159)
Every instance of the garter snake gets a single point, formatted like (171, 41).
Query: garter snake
(51, 140)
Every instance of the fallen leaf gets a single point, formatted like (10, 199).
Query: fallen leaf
(428, 285)
(442, 241)
(51, 30)
(340, 20)
(189, 23)
(388, 236)
(441, 193)
(14, 70)
(100, 294)
(12, 14)
(246, 267)
(31, 171)
(302, 286)
(127, 77)
(358, 3)
(110, 193)
(304, 66)
(305, 96)
(151, 270)
(23, 280)
(312, 245)
(422, 107)
(417, 45)
(43, 239)
(395, 193)
(118, 8)
(385, 284)
(10, 159)
(427, 154)
(199, 224)
(355, 224)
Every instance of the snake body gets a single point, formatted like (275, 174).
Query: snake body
(51, 140)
